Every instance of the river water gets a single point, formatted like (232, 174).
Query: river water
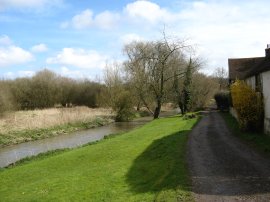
(13, 153)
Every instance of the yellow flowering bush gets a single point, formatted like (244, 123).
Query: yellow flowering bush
(248, 105)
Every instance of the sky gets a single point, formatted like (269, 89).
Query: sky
(77, 38)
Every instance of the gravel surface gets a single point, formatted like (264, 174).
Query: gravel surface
(223, 168)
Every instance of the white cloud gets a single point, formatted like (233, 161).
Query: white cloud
(26, 73)
(80, 58)
(76, 74)
(86, 19)
(83, 20)
(148, 11)
(39, 48)
(128, 38)
(107, 20)
(5, 40)
(9, 75)
(13, 75)
(27, 4)
(11, 54)
(225, 30)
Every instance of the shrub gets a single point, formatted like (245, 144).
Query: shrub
(6, 99)
(248, 105)
(123, 107)
(223, 100)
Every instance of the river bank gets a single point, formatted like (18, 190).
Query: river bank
(145, 164)
(13, 153)
(25, 126)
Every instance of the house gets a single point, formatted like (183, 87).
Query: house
(256, 72)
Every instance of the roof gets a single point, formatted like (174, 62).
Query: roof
(241, 68)
(263, 66)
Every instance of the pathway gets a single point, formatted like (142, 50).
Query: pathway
(223, 168)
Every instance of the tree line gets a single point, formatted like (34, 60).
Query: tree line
(154, 73)
(47, 89)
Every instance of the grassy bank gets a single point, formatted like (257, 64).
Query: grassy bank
(146, 164)
(259, 141)
(30, 125)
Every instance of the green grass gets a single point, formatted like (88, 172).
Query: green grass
(16, 137)
(258, 141)
(146, 164)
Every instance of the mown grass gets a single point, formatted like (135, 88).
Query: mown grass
(146, 164)
(258, 141)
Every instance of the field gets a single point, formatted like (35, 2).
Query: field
(146, 164)
(29, 125)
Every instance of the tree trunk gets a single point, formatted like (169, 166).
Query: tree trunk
(138, 106)
(157, 110)
(180, 104)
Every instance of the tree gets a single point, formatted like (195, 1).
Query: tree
(221, 75)
(7, 102)
(187, 87)
(151, 65)
(203, 90)
(115, 94)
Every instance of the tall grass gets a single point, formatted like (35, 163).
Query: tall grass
(46, 118)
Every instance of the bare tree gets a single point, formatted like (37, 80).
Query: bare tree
(152, 65)
(221, 75)
(115, 94)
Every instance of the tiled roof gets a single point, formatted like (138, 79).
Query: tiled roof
(241, 68)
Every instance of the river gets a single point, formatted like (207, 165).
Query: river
(13, 153)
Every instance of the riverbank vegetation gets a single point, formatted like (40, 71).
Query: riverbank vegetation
(146, 164)
(22, 126)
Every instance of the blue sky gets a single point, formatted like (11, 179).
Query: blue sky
(77, 38)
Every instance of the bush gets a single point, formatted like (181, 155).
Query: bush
(6, 99)
(124, 107)
(223, 100)
(248, 105)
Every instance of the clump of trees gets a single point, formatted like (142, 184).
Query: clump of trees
(157, 72)
(154, 73)
(116, 93)
(47, 89)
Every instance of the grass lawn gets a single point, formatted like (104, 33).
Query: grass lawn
(259, 141)
(146, 164)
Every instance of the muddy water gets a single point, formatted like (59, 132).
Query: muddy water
(11, 154)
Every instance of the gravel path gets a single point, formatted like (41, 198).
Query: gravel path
(223, 168)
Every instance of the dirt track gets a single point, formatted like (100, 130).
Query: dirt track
(223, 168)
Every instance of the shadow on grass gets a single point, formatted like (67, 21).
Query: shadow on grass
(161, 166)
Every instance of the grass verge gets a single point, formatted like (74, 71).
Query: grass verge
(258, 141)
(15, 137)
(146, 164)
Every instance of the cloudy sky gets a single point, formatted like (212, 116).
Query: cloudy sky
(77, 38)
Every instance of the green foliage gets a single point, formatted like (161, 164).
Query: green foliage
(223, 100)
(248, 105)
(146, 164)
(6, 98)
(47, 89)
(124, 107)
(187, 88)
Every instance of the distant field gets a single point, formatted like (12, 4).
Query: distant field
(23, 126)
(146, 164)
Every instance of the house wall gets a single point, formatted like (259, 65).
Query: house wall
(266, 94)
(251, 81)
